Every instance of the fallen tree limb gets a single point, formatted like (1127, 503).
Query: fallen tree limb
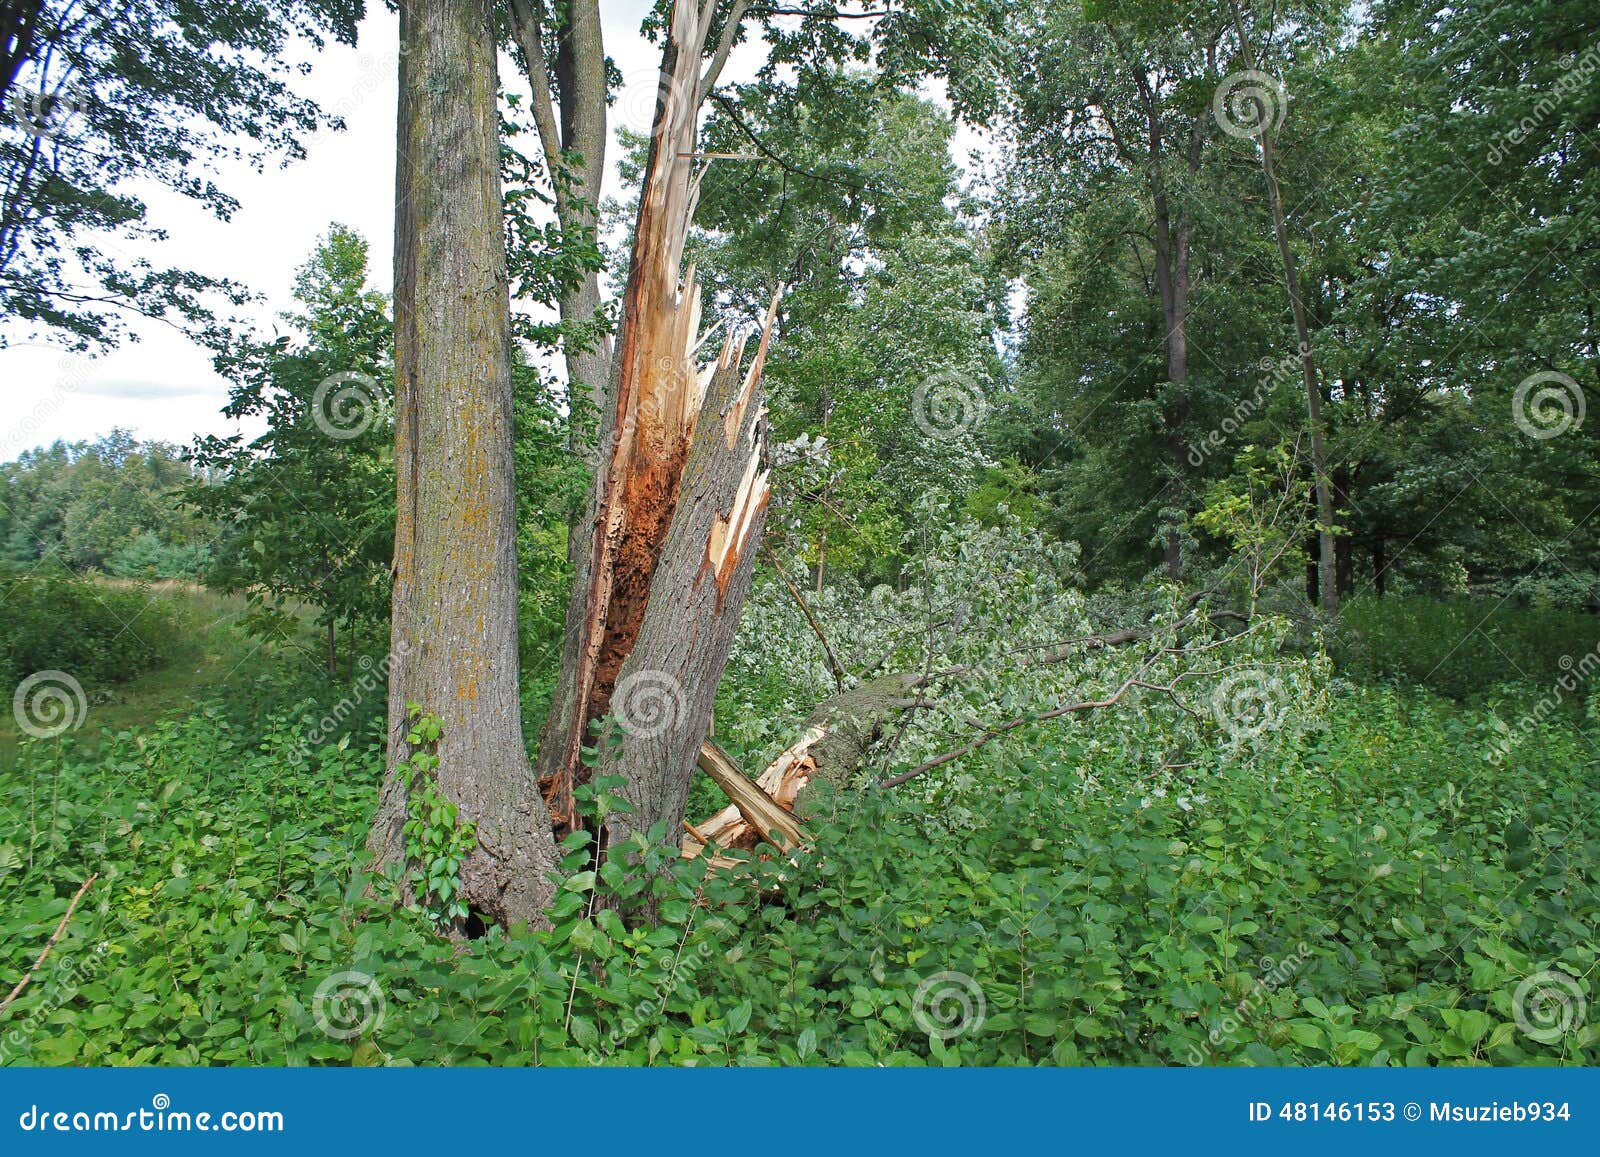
(1010, 725)
(842, 733)
(761, 808)
(816, 628)
(51, 943)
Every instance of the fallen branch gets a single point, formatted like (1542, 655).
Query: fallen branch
(51, 943)
(761, 808)
(816, 628)
(1010, 725)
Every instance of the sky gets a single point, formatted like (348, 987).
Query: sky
(162, 386)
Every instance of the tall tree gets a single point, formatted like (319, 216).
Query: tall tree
(307, 508)
(454, 619)
(562, 51)
(1267, 102)
(1114, 160)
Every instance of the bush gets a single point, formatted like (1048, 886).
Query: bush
(1464, 647)
(53, 621)
(148, 557)
(1380, 894)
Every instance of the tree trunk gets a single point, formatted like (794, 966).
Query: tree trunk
(454, 625)
(1328, 564)
(1171, 243)
(574, 146)
(675, 515)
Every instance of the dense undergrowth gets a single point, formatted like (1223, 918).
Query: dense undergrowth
(1377, 891)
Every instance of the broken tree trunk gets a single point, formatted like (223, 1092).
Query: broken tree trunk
(677, 507)
(454, 624)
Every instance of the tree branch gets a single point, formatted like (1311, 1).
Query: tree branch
(51, 943)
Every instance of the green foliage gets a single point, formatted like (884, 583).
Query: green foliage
(437, 843)
(98, 634)
(111, 504)
(307, 508)
(1375, 895)
(99, 101)
(1464, 647)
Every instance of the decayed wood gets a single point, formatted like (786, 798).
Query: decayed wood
(697, 589)
(678, 501)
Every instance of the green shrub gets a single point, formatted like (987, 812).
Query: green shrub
(148, 557)
(53, 621)
(1463, 647)
(1380, 893)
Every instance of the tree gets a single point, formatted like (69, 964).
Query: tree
(1264, 114)
(1116, 209)
(845, 194)
(454, 612)
(307, 508)
(561, 48)
(95, 98)
(669, 538)
(85, 505)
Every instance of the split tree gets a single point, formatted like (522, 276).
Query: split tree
(673, 519)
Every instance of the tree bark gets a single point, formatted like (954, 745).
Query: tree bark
(454, 626)
(1171, 238)
(675, 514)
(573, 140)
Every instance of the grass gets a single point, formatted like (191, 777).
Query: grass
(210, 652)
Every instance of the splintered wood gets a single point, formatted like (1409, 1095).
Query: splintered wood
(651, 436)
(762, 810)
